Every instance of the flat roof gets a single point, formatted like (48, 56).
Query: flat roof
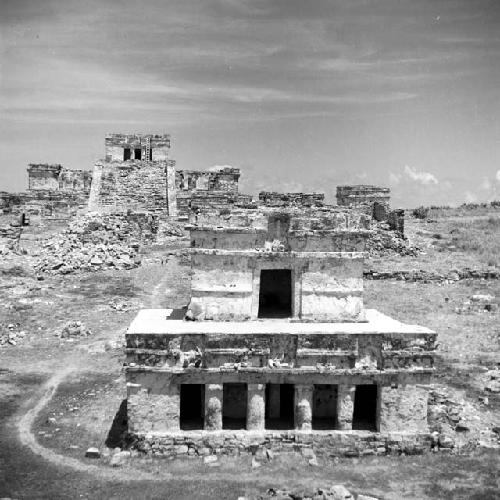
(156, 321)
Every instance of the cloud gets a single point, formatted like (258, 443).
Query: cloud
(394, 179)
(497, 176)
(425, 178)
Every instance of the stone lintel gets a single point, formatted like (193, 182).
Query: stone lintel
(273, 255)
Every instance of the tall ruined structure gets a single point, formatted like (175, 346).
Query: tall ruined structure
(136, 174)
(276, 348)
(202, 190)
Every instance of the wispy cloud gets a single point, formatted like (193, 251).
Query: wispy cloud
(422, 177)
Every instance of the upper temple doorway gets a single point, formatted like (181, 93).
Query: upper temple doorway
(275, 293)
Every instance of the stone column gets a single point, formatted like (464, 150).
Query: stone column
(213, 407)
(345, 406)
(256, 407)
(274, 401)
(303, 407)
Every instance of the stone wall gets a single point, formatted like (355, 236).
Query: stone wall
(44, 203)
(323, 443)
(323, 251)
(43, 176)
(75, 180)
(131, 185)
(210, 201)
(202, 190)
(223, 179)
(147, 147)
(359, 194)
(274, 199)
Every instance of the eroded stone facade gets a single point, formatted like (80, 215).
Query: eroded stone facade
(53, 177)
(136, 174)
(53, 191)
(276, 348)
(213, 189)
(362, 194)
(273, 199)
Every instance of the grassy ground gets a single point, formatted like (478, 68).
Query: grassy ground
(86, 404)
(448, 243)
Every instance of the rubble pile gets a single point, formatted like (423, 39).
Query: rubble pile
(9, 238)
(92, 242)
(456, 423)
(74, 329)
(168, 228)
(477, 304)
(10, 334)
(384, 240)
(335, 492)
(428, 276)
(493, 381)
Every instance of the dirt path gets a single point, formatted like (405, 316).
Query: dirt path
(27, 438)
(25, 424)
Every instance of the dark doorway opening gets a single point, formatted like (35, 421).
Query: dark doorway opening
(138, 154)
(365, 408)
(192, 406)
(280, 406)
(126, 154)
(275, 294)
(324, 406)
(234, 406)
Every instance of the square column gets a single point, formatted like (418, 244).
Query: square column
(345, 406)
(256, 407)
(274, 397)
(303, 407)
(213, 407)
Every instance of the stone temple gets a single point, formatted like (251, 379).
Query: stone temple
(276, 348)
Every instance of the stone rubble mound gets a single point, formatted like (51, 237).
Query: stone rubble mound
(478, 303)
(457, 424)
(74, 329)
(10, 334)
(384, 241)
(493, 381)
(91, 242)
(428, 276)
(334, 492)
(9, 238)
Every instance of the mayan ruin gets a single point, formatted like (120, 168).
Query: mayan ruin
(250, 250)
(279, 341)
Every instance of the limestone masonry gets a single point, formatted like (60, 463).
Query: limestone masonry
(136, 174)
(53, 191)
(276, 348)
(359, 194)
(273, 199)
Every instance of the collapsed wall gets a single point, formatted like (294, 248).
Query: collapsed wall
(96, 241)
(274, 199)
(201, 190)
(53, 191)
(359, 194)
(43, 203)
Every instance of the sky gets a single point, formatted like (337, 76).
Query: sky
(302, 95)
